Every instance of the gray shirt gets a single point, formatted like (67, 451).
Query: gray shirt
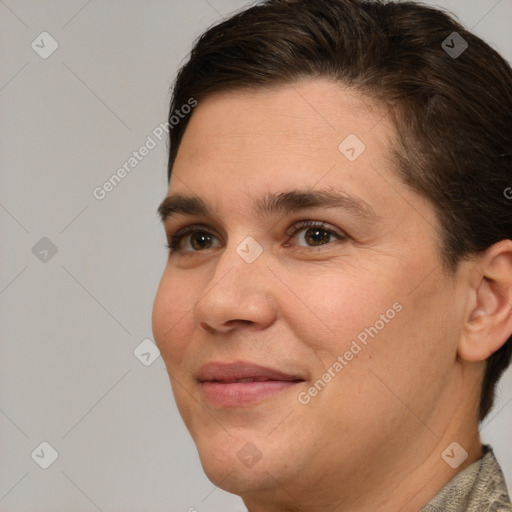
(480, 487)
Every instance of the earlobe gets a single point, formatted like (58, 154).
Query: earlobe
(489, 322)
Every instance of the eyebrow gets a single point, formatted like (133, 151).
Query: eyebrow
(272, 203)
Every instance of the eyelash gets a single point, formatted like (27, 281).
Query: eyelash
(177, 237)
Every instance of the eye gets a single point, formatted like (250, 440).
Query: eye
(315, 233)
(197, 238)
(194, 238)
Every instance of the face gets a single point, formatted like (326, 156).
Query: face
(303, 312)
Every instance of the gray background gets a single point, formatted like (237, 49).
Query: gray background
(70, 323)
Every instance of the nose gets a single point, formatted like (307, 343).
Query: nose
(237, 294)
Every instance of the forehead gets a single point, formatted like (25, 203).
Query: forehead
(242, 146)
(282, 134)
(306, 119)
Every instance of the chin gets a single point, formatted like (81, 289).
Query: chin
(237, 465)
(233, 478)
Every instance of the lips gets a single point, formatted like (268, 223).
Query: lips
(240, 383)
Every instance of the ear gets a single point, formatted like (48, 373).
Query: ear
(489, 323)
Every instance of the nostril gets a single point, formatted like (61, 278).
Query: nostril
(229, 323)
(206, 327)
(225, 326)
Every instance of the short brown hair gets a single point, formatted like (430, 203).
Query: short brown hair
(453, 113)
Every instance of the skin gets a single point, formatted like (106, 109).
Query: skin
(372, 438)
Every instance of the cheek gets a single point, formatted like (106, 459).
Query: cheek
(374, 322)
(172, 330)
(406, 365)
(171, 318)
(329, 310)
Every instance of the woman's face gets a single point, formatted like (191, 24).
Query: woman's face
(304, 335)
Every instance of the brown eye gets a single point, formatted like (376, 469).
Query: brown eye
(315, 233)
(200, 240)
(191, 239)
(317, 236)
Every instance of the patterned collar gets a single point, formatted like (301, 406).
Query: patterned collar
(480, 487)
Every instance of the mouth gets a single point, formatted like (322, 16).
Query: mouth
(241, 384)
